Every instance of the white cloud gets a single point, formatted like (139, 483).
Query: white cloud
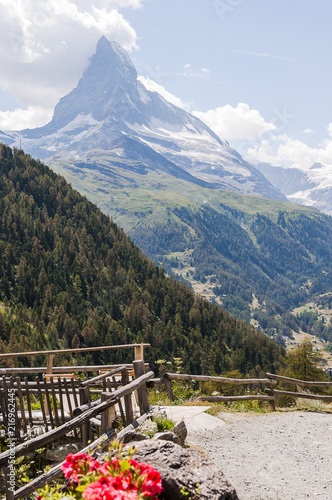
(286, 151)
(45, 44)
(19, 119)
(240, 123)
(189, 72)
(156, 87)
(307, 131)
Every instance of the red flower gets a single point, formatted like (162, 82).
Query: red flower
(108, 488)
(99, 490)
(152, 485)
(113, 480)
(78, 464)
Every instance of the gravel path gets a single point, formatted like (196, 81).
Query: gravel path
(277, 456)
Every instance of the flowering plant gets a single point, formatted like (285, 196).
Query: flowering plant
(117, 478)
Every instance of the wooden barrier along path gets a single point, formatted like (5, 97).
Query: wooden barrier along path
(84, 413)
(270, 381)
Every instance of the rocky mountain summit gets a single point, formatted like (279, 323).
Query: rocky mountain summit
(111, 112)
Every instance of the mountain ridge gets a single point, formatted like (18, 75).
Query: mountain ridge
(311, 187)
(110, 102)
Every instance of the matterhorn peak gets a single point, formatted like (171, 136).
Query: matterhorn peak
(110, 73)
(111, 113)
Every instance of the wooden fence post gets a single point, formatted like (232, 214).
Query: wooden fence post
(142, 392)
(270, 386)
(107, 416)
(49, 368)
(85, 429)
(127, 399)
(168, 386)
(139, 353)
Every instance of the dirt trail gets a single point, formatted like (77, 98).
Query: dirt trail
(277, 456)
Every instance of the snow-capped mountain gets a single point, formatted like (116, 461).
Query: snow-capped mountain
(311, 187)
(111, 111)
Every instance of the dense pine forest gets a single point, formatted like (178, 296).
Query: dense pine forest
(283, 258)
(70, 277)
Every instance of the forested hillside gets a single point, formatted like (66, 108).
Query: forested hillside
(69, 276)
(260, 265)
(260, 258)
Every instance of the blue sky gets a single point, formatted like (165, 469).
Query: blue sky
(258, 72)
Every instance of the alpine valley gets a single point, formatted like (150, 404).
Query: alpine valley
(189, 200)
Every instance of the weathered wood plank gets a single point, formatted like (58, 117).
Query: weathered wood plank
(60, 391)
(55, 406)
(108, 415)
(301, 395)
(26, 385)
(168, 388)
(221, 399)
(103, 376)
(40, 397)
(127, 399)
(221, 380)
(142, 393)
(305, 383)
(66, 351)
(21, 404)
(10, 386)
(123, 418)
(64, 369)
(48, 407)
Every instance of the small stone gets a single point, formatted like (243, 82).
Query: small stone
(139, 437)
(181, 431)
(60, 453)
(168, 436)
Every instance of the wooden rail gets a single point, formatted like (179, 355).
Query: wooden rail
(138, 350)
(270, 381)
(70, 351)
(302, 395)
(65, 369)
(305, 383)
(104, 375)
(206, 378)
(224, 399)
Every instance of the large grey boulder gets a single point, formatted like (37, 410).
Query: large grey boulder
(184, 471)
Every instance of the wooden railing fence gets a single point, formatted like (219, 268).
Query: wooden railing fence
(66, 404)
(83, 415)
(270, 381)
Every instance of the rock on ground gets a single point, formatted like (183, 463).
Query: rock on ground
(183, 468)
